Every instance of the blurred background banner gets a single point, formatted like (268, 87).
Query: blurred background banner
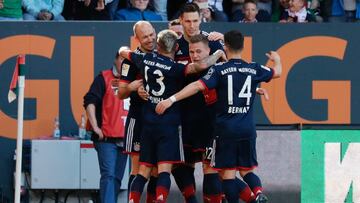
(330, 159)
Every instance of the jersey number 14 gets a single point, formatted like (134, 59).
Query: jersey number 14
(245, 91)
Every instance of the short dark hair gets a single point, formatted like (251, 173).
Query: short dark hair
(250, 1)
(199, 38)
(189, 8)
(234, 40)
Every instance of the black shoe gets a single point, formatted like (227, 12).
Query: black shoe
(261, 198)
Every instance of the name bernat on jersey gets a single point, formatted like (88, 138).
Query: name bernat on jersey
(235, 109)
(242, 70)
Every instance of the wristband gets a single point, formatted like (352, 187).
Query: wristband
(172, 99)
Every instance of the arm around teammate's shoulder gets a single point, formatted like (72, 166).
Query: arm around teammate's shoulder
(205, 63)
(186, 92)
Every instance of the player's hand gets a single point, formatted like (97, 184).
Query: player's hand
(123, 48)
(134, 85)
(262, 91)
(274, 56)
(142, 93)
(214, 36)
(48, 15)
(99, 132)
(42, 15)
(162, 106)
(223, 56)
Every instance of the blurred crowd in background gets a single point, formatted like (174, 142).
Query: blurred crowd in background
(241, 11)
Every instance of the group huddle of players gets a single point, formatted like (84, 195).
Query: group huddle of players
(191, 101)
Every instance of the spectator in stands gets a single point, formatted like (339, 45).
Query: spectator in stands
(10, 10)
(350, 10)
(112, 7)
(173, 8)
(175, 26)
(91, 10)
(297, 13)
(250, 11)
(265, 5)
(47, 10)
(210, 13)
(138, 11)
(250, 8)
(160, 7)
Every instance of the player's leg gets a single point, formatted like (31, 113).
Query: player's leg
(151, 187)
(255, 185)
(230, 186)
(169, 151)
(245, 192)
(147, 161)
(184, 178)
(225, 152)
(163, 182)
(134, 159)
(138, 183)
(212, 185)
(132, 144)
(184, 173)
(247, 162)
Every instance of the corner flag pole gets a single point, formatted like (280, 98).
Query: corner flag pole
(19, 141)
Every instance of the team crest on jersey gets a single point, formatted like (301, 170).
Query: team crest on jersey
(125, 69)
(179, 52)
(137, 146)
(209, 73)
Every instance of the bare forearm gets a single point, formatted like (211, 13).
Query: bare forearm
(277, 69)
(123, 92)
(211, 60)
(207, 62)
(189, 90)
(90, 110)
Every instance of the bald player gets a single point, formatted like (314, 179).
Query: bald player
(146, 36)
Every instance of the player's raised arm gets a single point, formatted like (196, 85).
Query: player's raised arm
(205, 63)
(186, 92)
(275, 57)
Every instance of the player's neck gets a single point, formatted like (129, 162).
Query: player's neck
(232, 55)
(144, 50)
(169, 55)
(187, 37)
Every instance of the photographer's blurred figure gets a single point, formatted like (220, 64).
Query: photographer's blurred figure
(106, 116)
